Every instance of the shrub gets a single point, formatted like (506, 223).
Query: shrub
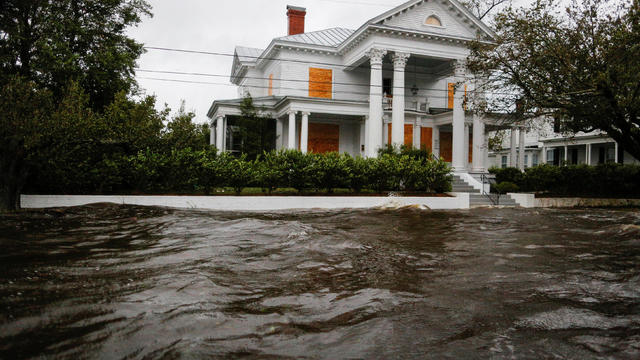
(505, 187)
(359, 174)
(240, 173)
(510, 174)
(331, 171)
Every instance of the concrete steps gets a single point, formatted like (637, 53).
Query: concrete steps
(476, 198)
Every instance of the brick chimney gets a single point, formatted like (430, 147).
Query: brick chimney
(296, 16)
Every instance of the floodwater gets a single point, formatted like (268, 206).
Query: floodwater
(116, 282)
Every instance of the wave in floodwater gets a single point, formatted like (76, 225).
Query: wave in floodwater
(113, 282)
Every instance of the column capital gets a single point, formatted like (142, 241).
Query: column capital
(375, 55)
(400, 59)
(289, 112)
(460, 68)
(305, 113)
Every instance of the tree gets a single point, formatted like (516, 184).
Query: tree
(482, 8)
(581, 67)
(258, 133)
(51, 42)
(183, 133)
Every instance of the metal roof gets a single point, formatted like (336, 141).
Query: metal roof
(329, 37)
(247, 54)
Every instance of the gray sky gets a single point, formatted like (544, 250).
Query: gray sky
(220, 25)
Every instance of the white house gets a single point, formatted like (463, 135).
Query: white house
(544, 144)
(400, 78)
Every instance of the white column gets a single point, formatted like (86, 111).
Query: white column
(458, 161)
(616, 153)
(397, 129)
(220, 133)
(522, 149)
(435, 141)
(291, 138)
(374, 140)
(565, 153)
(587, 156)
(279, 134)
(212, 133)
(478, 144)
(512, 148)
(543, 160)
(485, 151)
(304, 132)
(385, 131)
(417, 134)
(466, 145)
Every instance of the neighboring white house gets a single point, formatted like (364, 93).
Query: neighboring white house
(544, 144)
(400, 78)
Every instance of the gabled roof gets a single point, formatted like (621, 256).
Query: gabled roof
(247, 54)
(328, 37)
(409, 4)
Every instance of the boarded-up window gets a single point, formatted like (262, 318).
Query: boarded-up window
(426, 138)
(446, 147)
(408, 134)
(270, 84)
(450, 91)
(320, 83)
(433, 20)
(324, 138)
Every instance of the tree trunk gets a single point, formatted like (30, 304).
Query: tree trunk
(12, 179)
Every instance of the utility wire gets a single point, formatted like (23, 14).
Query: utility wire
(214, 53)
(306, 81)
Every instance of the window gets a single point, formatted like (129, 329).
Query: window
(611, 154)
(534, 159)
(526, 161)
(386, 86)
(320, 83)
(504, 161)
(433, 21)
(550, 156)
(556, 125)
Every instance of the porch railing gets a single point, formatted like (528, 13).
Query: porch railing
(488, 180)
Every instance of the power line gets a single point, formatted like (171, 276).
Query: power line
(216, 53)
(300, 81)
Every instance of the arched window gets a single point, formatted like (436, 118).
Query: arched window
(433, 21)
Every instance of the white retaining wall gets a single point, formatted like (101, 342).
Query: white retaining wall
(249, 203)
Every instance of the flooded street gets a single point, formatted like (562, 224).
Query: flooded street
(115, 282)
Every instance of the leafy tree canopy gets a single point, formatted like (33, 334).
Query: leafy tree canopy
(51, 42)
(580, 66)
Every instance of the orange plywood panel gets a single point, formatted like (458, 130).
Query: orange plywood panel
(270, 84)
(408, 135)
(446, 145)
(390, 126)
(450, 90)
(426, 138)
(324, 138)
(320, 83)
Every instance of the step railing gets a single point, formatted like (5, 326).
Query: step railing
(489, 179)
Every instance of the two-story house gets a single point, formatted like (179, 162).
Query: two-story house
(398, 79)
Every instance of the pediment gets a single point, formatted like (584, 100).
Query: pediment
(424, 15)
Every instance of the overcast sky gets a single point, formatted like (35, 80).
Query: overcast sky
(218, 26)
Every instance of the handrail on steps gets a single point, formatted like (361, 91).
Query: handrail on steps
(489, 179)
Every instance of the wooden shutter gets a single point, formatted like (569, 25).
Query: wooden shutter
(470, 149)
(324, 138)
(320, 83)
(390, 126)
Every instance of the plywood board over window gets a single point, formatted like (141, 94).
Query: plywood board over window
(408, 134)
(320, 83)
(324, 138)
(450, 92)
(446, 145)
(426, 138)
(270, 84)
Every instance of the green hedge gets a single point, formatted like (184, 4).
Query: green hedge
(603, 180)
(202, 171)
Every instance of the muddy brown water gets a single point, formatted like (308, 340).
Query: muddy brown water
(114, 282)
